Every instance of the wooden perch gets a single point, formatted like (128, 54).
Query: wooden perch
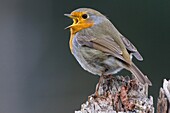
(119, 94)
(163, 104)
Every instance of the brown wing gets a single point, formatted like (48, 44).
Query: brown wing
(131, 48)
(105, 44)
(109, 46)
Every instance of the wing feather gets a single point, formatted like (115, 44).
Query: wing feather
(108, 45)
(131, 48)
(105, 44)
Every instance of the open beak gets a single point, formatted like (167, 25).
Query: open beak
(75, 20)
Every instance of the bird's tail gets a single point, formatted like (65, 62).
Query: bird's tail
(139, 75)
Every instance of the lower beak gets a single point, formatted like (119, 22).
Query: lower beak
(68, 27)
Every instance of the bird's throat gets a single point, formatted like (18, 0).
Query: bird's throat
(80, 26)
(71, 40)
(74, 28)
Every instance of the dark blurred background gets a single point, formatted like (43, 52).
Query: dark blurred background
(38, 74)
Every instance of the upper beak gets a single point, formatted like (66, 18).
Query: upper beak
(68, 15)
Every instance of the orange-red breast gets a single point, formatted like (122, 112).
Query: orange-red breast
(99, 47)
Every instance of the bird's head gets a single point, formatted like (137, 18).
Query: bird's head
(84, 18)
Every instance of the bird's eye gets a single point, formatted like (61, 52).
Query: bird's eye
(84, 16)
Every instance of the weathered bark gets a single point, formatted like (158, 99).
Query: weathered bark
(163, 104)
(119, 94)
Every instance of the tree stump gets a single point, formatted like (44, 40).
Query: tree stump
(163, 104)
(118, 95)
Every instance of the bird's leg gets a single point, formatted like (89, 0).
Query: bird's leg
(99, 83)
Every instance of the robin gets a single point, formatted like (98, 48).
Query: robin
(99, 47)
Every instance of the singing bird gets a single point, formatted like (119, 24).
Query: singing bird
(99, 47)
